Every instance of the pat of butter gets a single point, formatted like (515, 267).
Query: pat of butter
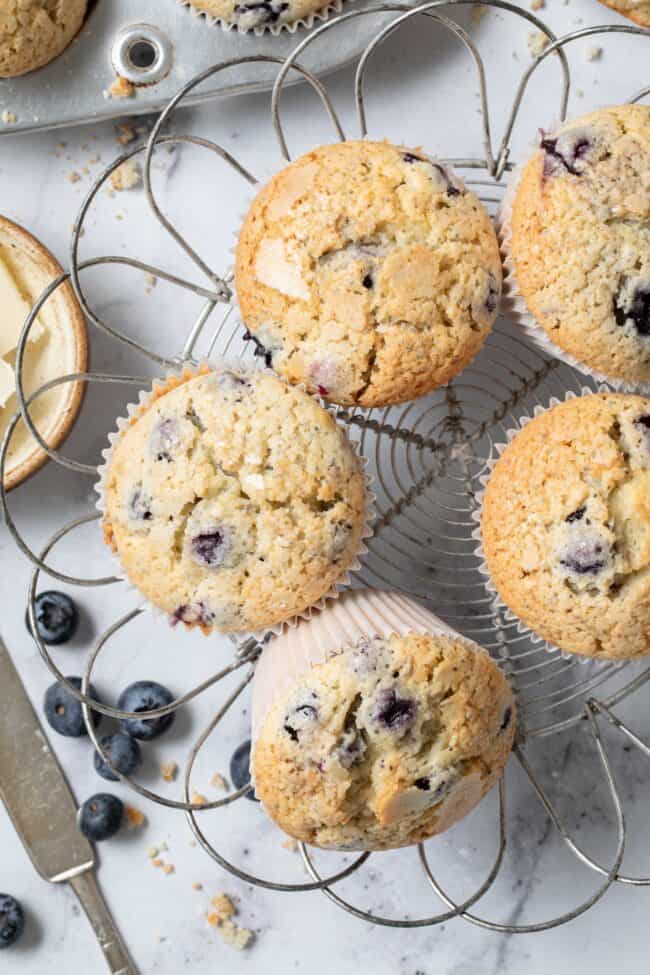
(13, 312)
(7, 382)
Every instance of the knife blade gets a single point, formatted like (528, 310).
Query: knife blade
(44, 812)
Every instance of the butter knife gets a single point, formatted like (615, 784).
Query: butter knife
(44, 812)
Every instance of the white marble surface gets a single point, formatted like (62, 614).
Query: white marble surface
(422, 90)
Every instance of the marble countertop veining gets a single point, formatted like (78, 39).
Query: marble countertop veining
(421, 90)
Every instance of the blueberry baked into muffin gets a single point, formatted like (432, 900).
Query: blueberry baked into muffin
(232, 500)
(636, 10)
(374, 726)
(34, 32)
(579, 239)
(566, 525)
(368, 273)
(254, 14)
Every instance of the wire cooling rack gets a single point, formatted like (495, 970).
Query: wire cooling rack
(427, 458)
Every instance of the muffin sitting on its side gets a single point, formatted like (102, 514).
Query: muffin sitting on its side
(232, 500)
(368, 273)
(34, 32)
(566, 525)
(579, 239)
(375, 726)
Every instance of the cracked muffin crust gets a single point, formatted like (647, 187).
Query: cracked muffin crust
(34, 32)
(368, 272)
(259, 13)
(566, 525)
(636, 10)
(383, 742)
(232, 500)
(579, 238)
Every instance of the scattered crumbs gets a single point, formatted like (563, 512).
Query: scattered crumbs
(127, 176)
(219, 782)
(235, 936)
(478, 13)
(192, 843)
(74, 176)
(9, 118)
(580, 93)
(594, 53)
(169, 868)
(157, 862)
(537, 43)
(221, 918)
(134, 818)
(153, 852)
(197, 886)
(124, 134)
(223, 906)
(198, 799)
(290, 844)
(169, 771)
(150, 282)
(121, 88)
(537, 4)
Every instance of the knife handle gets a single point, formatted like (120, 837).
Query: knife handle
(90, 897)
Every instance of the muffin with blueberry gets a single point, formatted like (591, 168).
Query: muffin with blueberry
(260, 14)
(34, 32)
(368, 273)
(566, 525)
(578, 239)
(233, 501)
(375, 726)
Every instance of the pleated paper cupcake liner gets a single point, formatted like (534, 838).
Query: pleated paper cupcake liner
(290, 27)
(160, 387)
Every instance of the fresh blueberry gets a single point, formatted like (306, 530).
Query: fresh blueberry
(139, 504)
(367, 281)
(63, 711)
(634, 307)
(140, 697)
(211, 548)
(124, 753)
(12, 921)
(101, 816)
(56, 617)
(395, 713)
(240, 768)
(586, 556)
(576, 515)
(260, 350)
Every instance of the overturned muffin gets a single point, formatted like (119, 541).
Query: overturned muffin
(579, 240)
(34, 32)
(375, 726)
(368, 272)
(232, 500)
(566, 525)
(259, 14)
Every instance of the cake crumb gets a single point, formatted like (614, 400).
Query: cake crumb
(134, 818)
(74, 176)
(121, 88)
(537, 4)
(221, 919)
(235, 936)
(152, 852)
(150, 282)
(127, 176)
(219, 782)
(290, 844)
(157, 862)
(198, 799)
(125, 134)
(223, 906)
(169, 868)
(169, 771)
(197, 886)
(594, 53)
(9, 118)
(537, 43)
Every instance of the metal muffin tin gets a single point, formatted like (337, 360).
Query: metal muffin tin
(159, 45)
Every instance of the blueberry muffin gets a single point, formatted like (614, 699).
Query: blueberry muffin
(259, 13)
(579, 239)
(368, 273)
(566, 525)
(375, 726)
(34, 32)
(232, 500)
(636, 10)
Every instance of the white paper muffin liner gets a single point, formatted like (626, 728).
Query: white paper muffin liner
(145, 397)
(498, 449)
(332, 7)
(513, 304)
(356, 614)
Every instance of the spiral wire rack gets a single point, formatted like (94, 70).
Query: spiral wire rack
(427, 458)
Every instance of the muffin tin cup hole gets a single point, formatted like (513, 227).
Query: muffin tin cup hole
(142, 54)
